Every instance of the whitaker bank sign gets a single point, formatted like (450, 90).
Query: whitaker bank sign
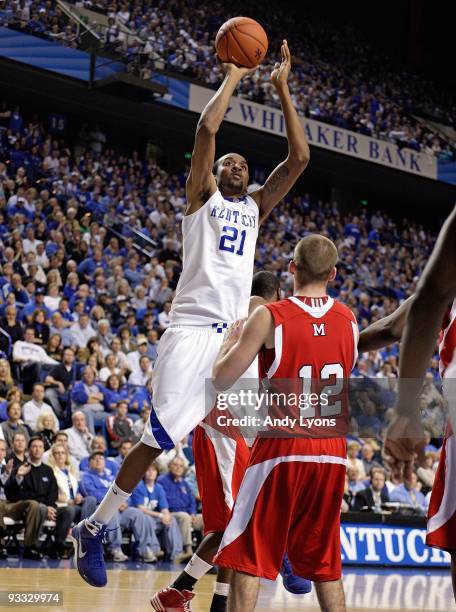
(267, 119)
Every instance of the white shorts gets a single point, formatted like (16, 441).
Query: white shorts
(182, 394)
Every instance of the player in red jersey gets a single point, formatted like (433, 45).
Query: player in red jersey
(291, 494)
(221, 459)
(435, 293)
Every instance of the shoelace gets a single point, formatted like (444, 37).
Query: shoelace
(95, 551)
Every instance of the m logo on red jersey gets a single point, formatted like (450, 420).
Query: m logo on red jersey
(319, 330)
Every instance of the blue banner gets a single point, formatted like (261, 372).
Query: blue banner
(395, 545)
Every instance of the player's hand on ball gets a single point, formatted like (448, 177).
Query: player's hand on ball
(279, 76)
(238, 71)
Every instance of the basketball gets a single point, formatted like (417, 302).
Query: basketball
(241, 41)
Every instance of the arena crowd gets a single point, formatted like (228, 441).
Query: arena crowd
(338, 76)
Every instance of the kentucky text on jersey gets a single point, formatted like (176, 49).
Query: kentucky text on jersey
(234, 216)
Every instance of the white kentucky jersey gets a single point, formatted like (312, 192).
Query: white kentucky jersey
(219, 249)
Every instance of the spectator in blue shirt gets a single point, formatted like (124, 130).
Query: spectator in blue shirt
(407, 493)
(89, 265)
(99, 444)
(96, 482)
(150, 498)
(37, 303)
(182, 502)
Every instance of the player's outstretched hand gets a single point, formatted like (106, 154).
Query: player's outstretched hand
(404, 444)
(279, 76)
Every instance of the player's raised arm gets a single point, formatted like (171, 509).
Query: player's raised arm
(385, 331)
(241, 346)
(436, 289)
(201, 182)
(282, 179)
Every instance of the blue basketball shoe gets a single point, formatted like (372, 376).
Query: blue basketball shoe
(87, 538)
(293, 584)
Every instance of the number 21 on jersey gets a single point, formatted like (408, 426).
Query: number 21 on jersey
(229, 240)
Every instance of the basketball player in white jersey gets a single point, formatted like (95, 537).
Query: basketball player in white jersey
(433, 310)
(220, 230)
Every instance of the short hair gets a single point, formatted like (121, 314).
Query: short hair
(265, 285)
(59, 433)
(94, 454)
(38, 384)
(314, 256)
(34, 439)
(19, 433)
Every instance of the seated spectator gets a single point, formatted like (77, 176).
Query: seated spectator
(99, 445)
(79, 436)
(121, 358)
(69, 495)
(36, 407)
(61, 327)
(110, 367)
(59, 382)
(367, 457)
(95, 482)
(120, 425)
(407, 493)
(82, 331)
(61, 437)
(368, 422)
(164, 319)
(93, 349)
(182, 503)
(11, 325)
(27, 354)
(426, 473)
(128, 343)
(150, 498)
(141, 377)
(14, 424)
(354, 482)
(6, 380)
(135, 356)
(23, 510)
(114, 393)
(14, 395)
(54, 347)
(37, 481)
(124, 448)
(139, 425)
(87, 397)
(373, 496)
(40, 326)
(353, 449)
(45, 429)
(166, 457)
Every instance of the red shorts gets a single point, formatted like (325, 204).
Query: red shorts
(220, 464)
(289, 500)
(441, 526)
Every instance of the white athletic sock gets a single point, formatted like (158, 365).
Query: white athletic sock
(109, 505)
(197, 568)
(222, 588)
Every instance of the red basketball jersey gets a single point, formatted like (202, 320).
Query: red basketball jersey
(447, 343)
(315, 351)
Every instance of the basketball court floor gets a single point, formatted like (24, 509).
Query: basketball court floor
(131, 585)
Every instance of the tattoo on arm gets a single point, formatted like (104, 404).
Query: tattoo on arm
(277, 178)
